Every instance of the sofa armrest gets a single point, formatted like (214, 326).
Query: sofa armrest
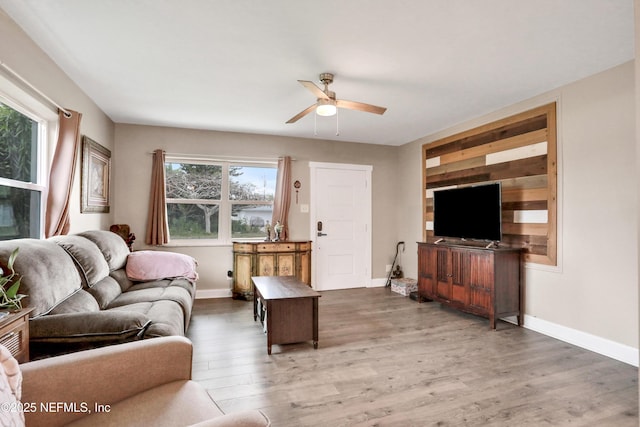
(103, 375)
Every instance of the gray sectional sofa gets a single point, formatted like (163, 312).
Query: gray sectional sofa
(82, 298)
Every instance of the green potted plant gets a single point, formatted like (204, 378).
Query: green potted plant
(9, 285)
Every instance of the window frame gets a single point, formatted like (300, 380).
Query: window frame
(16, 98)
(225, 237)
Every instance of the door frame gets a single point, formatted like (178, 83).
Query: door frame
(313, 166)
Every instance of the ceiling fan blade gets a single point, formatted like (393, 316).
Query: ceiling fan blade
(360, 106)
(302, 113)
(314, 89)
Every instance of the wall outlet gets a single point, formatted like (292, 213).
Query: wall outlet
(388, 268)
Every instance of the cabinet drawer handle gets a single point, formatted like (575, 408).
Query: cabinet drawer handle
(8, 336)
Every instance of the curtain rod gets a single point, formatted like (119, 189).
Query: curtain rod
(33, 88)
(223, 158)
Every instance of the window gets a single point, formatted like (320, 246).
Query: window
(218, 200)
(21, 189)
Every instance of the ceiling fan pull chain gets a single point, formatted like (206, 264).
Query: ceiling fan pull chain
(337, 125)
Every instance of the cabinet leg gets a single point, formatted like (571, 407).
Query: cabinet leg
(315, 345)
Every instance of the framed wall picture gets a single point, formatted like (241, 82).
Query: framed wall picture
(96, 177)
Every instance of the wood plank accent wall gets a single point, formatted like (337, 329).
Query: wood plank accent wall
(520, 152)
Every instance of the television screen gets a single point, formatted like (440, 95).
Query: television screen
(473, 212)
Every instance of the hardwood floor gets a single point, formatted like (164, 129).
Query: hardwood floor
(385, 360)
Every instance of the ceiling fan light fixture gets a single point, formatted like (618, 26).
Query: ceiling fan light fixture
(326, 107)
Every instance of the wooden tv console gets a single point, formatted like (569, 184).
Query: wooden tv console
(476, 280)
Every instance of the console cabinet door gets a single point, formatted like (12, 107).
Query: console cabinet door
(266, 264)
(304, 267)
(443, 274)
(480, 281)
(286, 264)
(458, 267)
(426, 272)
(451, 269)
(243, 272)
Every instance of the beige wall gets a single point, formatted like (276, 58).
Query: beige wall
(133, 171)
(595, 287)
(23, 56)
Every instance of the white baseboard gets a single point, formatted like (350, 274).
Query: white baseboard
(612, 349)
(377, 283)
(213, 293)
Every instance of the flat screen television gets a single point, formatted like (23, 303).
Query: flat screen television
(473, 213)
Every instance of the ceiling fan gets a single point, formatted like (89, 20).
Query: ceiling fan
(327, 103)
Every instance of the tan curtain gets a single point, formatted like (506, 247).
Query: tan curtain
(61, 175)
(282, 197)
(157, 227)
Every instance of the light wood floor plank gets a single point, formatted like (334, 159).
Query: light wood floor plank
(385, 360)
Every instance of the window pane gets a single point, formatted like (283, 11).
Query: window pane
(19, 213)
(252, 183)
(193, 221)
(193, 181)
(18, 145)
(250, 220)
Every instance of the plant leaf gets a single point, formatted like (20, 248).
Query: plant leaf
(13, 290)
(12, 259)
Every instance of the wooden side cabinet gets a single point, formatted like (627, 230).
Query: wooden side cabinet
(485, 282)
(269, 259)
(14, 334)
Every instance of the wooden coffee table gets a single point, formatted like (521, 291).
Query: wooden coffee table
(290, 309)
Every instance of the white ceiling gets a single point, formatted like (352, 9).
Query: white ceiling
(233, 65)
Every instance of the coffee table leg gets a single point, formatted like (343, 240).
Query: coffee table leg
(255, 301)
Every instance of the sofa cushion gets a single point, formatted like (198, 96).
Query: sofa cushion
(152, 265)
(114, 249)
(186, 284)
(172, 293)
(164, 405)
(49, 275)
(167, 317)
(98, 327)
(105, 291)
(87, 256)
(120, 276)
(80, 302)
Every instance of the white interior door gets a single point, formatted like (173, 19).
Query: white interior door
(340, 225)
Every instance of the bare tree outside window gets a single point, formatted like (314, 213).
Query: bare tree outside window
(200, 196)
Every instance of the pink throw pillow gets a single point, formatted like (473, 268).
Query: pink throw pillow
(154, 265)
